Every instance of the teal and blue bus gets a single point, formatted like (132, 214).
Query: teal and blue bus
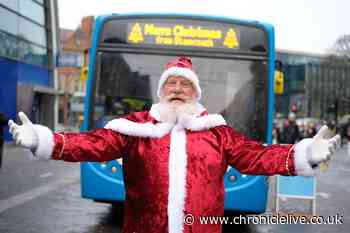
(234, 60)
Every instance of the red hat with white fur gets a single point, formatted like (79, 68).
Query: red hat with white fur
(181, 66)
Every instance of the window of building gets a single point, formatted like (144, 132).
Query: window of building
(32, 10)
(31, 53)
(10, 24)
(8, 45)
(25, 35)
(70, 59)
(12, 4)
(32, 32)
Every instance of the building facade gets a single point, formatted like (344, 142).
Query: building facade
(314, 86)
(75, 46)
(28, 50)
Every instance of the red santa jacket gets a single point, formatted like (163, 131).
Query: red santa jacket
(182, 166)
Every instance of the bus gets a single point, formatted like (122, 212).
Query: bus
(234, 60)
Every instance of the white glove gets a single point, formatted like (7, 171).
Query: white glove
(24, 135)
(321, 147)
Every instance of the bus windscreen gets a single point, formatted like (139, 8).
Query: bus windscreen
(236, 89)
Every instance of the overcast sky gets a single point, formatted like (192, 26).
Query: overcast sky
(301, 25)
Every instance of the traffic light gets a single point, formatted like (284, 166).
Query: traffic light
(279, 82)
(84, 73)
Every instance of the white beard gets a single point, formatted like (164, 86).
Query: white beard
(175, 112)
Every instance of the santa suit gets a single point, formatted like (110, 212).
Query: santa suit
(171, 170)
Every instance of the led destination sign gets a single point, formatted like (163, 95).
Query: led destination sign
(165, 34)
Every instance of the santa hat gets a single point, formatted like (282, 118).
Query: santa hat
(181, 66)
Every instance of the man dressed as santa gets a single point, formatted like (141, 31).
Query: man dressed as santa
(180, 151)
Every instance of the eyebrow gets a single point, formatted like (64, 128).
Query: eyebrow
(183, 81)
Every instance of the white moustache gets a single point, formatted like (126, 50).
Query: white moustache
(172, 97)
(170, 112)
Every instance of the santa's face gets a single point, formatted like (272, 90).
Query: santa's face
(178, 90)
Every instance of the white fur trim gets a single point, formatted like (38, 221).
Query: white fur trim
(177, 179)
(45, 142)
(301, 164)
(195, 122)
(203, 122)
(183, 72)
(154, 112)
(131, 128)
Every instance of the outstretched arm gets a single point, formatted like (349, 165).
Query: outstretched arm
(251, 157)
(97, 145)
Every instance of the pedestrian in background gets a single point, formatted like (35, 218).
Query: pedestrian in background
(310, 130)
(347, 135)
(291, 130)
(276, 135)
(3, 123)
